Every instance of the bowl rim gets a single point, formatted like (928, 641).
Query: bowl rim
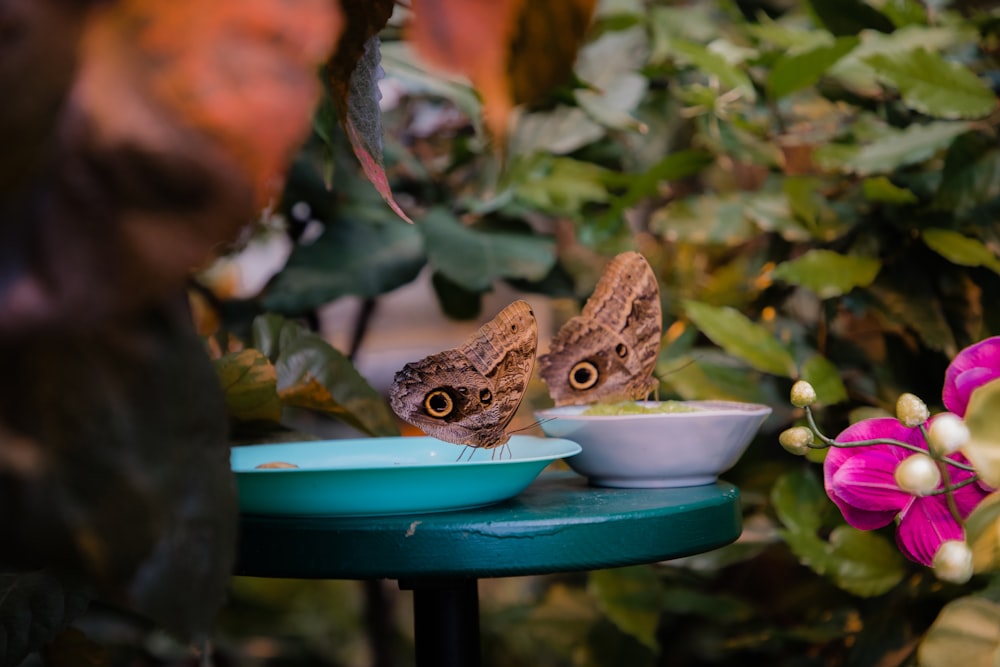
(711, 407)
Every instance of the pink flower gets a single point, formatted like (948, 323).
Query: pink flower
(861, 481)
(971, 368)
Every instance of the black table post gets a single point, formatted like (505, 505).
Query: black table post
(445, 621)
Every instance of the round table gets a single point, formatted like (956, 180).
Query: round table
(558, 524)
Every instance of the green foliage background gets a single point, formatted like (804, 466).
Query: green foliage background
(816, 185)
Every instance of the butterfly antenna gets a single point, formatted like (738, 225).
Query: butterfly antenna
(537, 422)
(462, 453)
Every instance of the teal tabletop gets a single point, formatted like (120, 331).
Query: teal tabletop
(558, 524)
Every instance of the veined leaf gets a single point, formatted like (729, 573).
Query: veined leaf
(971, 174)
(934, 86)
(914, 144)
(960, 249)
(314, 375)
(739, 336)
(475, 258)
(250, 384)
(828, 273)
(966, 632)
(800, 502)
(797, 71)
(983, 419)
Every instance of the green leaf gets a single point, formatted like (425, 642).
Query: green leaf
(982, 534)
(250, 384)
(849, 17)
(824, 376)
(714, 65)
(966, 632)
(960, 249)
(864, 563)
(705, 219)
(362, 120)
(632, 599)
(562, 185)
(796, 71)
(351, 257)
(983, 419)
(895, 149)
(709, 375)
(828, 273)
(800, 501)
(881, 189)
(457, 302)
(739, 336)
(476, 258)
(971, 174)
(934, 86)
(314, 375)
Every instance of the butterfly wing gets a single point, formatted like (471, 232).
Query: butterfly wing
(608, 352)
(468, 395)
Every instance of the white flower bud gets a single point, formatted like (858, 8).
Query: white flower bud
(803, 394)
(911, 411)
(946, 434)
(918, 474)
(953, 562)
(796, 440)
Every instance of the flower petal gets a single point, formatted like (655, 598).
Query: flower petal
(971, 368)
(924, 525)
(868, 482)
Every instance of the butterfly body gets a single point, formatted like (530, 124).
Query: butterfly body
(609, 351)
(468, 395)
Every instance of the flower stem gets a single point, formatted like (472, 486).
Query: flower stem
(830, 442)
(949, 492)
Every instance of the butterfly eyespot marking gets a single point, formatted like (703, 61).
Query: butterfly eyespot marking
(438, 403)
(621, 349)
(485, 396)
(583, 375)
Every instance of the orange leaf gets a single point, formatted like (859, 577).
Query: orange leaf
(352, 75)
(240, 72)
(512, 51)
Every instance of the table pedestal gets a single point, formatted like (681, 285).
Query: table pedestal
(446, 622)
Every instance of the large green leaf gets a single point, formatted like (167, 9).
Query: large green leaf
(966, 632)
(828, 273)
(934, 86)
(314, 375)
(983, 419)
(739, 336)
(475, 258)
(632, 598)
(561, 185)
(796, 71)
(351, 257)
(971, 174)
(960, 249)
(895, 149)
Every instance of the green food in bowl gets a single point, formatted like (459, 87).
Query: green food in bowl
(633, 408)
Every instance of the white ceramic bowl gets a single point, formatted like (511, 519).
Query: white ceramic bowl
(657, 449)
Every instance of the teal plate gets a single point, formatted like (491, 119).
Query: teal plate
(378, 476)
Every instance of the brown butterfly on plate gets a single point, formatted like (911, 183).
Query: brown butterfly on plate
(608, 352)
(468, 395)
